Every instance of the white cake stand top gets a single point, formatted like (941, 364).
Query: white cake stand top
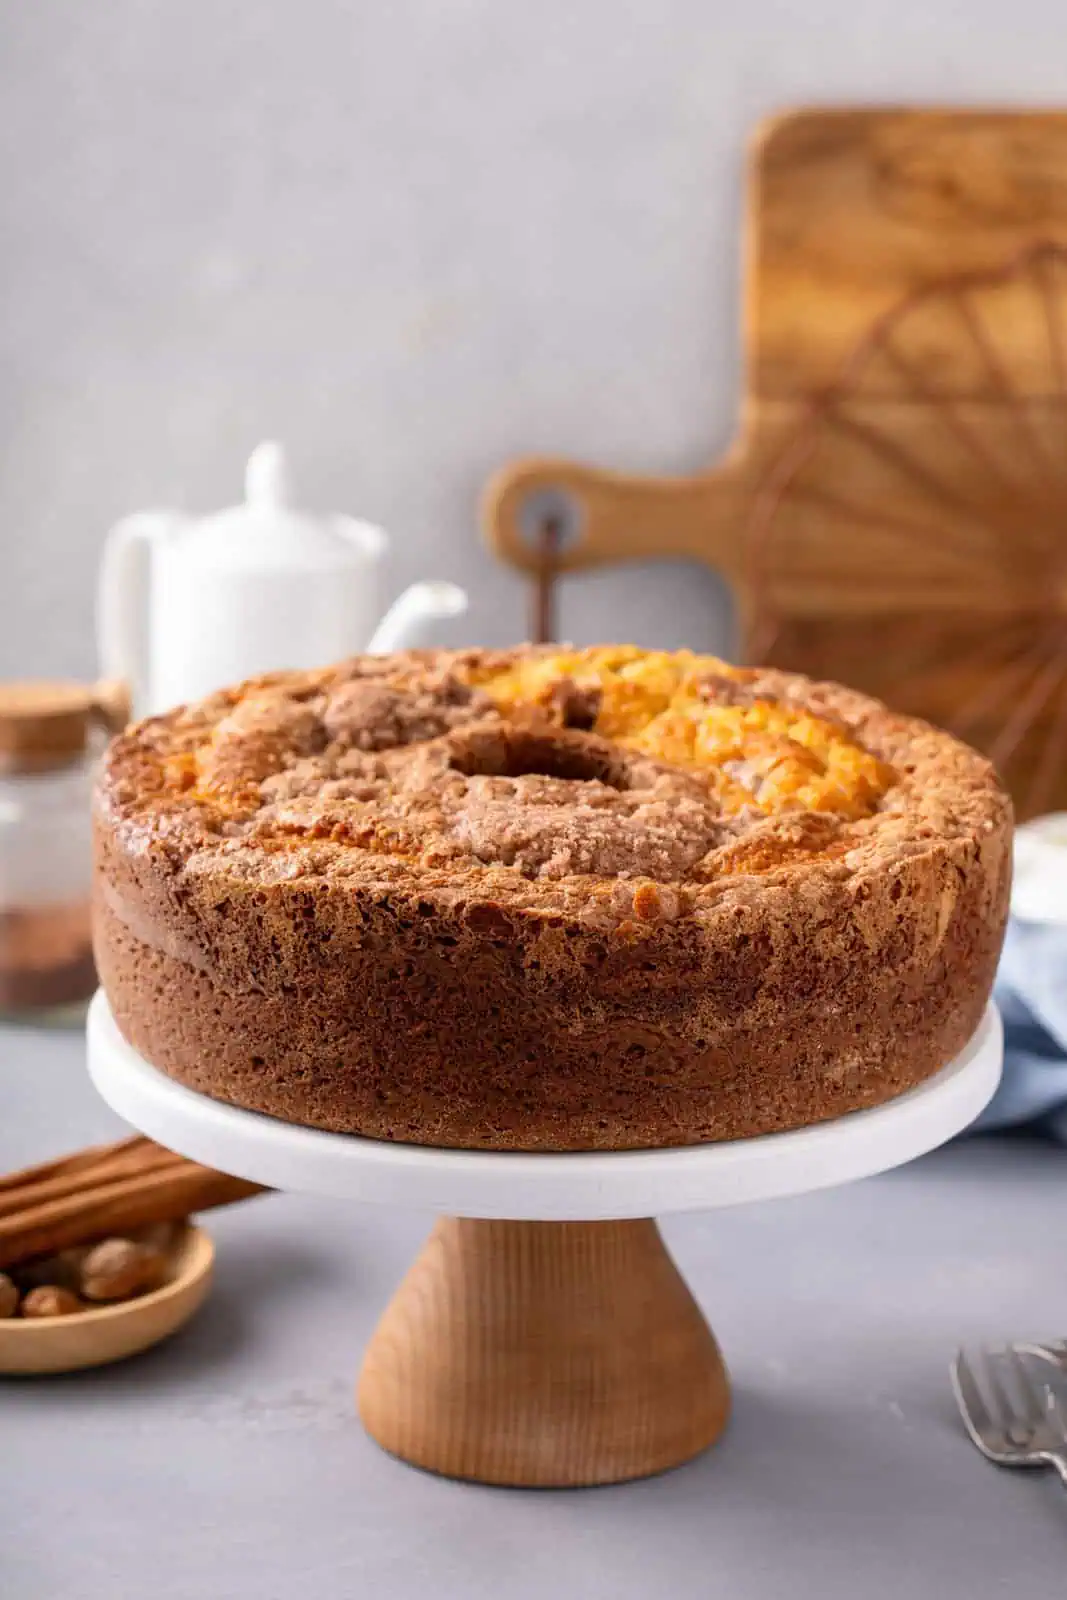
(543, 1188)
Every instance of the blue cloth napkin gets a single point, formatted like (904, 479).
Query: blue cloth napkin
(1031, 991)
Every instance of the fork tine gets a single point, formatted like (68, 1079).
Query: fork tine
(1001, 1407)
(1055, 1412)
(973, 1409)
(1045, 1398)
(1055, 1352)
(1033, 1395)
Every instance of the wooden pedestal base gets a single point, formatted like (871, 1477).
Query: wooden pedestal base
(544, 1354)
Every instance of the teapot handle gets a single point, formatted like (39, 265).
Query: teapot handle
(122, 600)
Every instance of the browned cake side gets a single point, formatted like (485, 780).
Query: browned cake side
(547, 901)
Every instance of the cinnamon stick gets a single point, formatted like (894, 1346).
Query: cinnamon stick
(78, 1161)
(127, 1163)
(111, 1189)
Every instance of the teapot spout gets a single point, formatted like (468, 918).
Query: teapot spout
(408, 624)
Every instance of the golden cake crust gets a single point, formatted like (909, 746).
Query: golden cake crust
(546, 899)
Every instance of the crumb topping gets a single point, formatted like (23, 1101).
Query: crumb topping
(541, 766)
(698, 713)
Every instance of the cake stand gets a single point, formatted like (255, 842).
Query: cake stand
(544, 1337)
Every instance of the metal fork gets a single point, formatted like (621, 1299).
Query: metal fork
(1013, 1416)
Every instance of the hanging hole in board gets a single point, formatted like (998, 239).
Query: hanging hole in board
(551, 507)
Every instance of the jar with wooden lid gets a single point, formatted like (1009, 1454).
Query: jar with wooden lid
(50, 737)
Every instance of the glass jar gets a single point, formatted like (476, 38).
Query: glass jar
(50, 737)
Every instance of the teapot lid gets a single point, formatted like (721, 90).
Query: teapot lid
(268, 480)
(268, 530)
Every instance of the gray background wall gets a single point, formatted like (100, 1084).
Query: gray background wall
(412, 239)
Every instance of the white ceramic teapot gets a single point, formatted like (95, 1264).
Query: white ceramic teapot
(186, 605)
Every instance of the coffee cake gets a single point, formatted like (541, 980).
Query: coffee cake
(547, 899)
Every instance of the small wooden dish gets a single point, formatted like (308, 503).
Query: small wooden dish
(112, 1332)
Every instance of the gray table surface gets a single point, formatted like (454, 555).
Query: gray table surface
(229, 1464)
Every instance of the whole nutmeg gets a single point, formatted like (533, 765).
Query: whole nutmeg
(116, 1269)
(160, 1235)
(50, 1300)
(59, 1270)
(9, 1296)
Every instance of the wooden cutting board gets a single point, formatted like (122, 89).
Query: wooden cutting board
(893, 512)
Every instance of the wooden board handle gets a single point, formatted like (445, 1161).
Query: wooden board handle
(606, 517)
